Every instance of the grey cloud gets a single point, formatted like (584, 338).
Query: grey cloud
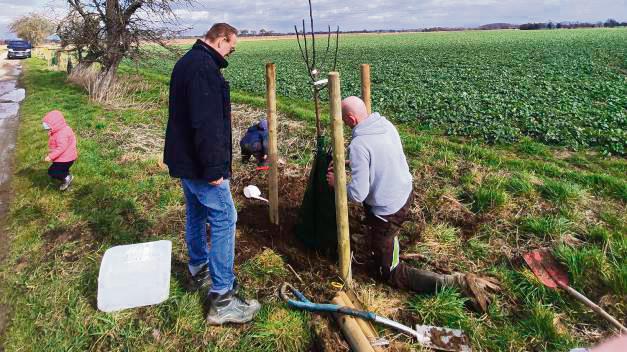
(372, 14)
(399, 14)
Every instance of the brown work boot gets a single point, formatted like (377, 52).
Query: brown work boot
(478, 289)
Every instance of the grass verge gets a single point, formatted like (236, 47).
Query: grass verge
(119, 196)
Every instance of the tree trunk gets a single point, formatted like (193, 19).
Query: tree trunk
(112, 56)
(316, 96)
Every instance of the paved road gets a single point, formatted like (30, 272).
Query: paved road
(10, 97)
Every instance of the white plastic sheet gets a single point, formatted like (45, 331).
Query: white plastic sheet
(134, 275)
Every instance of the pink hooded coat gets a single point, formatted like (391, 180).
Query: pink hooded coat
(61, 140)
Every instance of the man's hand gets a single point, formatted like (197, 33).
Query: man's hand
(346, 162)
(217, 182)
(331, 173)
(47, 158)
(331, 177)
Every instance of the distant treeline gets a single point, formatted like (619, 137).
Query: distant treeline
(610, 23)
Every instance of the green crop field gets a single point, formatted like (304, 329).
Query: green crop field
(565, 87)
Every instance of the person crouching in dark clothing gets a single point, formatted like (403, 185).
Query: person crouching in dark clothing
(255, 143)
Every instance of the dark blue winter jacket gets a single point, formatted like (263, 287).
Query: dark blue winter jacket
(198, 136)
(255, 141)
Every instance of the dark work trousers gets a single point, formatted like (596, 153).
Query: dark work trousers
(383, 233)
(254, 149)
(60, 171)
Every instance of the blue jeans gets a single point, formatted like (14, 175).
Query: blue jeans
(213, 205)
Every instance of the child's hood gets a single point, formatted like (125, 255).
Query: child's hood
(55, 120)
(263, 125)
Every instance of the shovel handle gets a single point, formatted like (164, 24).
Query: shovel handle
(593, 306)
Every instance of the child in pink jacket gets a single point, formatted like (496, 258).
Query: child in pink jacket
(62, 150)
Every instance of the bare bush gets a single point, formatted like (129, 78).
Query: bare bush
(32, 27)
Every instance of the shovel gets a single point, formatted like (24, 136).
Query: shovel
(253, 192)
(437, 338)
(552, 274)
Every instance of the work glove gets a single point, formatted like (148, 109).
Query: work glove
(478, 289)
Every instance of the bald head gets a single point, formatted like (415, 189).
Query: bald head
(353, 111)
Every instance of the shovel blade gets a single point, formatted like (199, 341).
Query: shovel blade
(546, 268)
(443, 339)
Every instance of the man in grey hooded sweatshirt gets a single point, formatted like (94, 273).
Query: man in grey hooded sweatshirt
(381, 180)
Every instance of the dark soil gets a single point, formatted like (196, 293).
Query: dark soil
(254, 223)
(316, 270)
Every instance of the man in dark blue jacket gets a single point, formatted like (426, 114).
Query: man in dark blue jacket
(198, 150)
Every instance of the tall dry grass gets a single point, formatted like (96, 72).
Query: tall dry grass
(121, 93)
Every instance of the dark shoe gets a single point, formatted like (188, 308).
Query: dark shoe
(66, 182)
(245, 159)
(262, 162)
(202, 279)
(230, 308)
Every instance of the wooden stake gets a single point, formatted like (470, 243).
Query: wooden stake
(355, 337)
(341, 198)
(62, 61)
(365, 87)
(57, 56)
(273, 154)
(365, 326)
(48, 56)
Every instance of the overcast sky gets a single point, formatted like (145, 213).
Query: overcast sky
(281, 15)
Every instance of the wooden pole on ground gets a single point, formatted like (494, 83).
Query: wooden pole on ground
(353, 334)
(364, 325)
(365, 87)
(273, 154)
(341, 198)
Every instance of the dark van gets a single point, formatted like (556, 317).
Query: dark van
(18, 49)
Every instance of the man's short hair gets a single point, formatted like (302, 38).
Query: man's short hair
(220, 30)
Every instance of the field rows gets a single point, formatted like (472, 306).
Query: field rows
(564, 87)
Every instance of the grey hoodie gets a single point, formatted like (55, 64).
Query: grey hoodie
(380, 174)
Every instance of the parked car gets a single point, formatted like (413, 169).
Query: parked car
(18, 49)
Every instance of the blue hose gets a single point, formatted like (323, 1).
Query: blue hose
(305, 304)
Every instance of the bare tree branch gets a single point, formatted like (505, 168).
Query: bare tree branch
(300, 47)
(309, 67)
(326, 52)
(109, 31)
(130, 10)
(99, 9)
(313, 71)
(313, 38)
(337, 47)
